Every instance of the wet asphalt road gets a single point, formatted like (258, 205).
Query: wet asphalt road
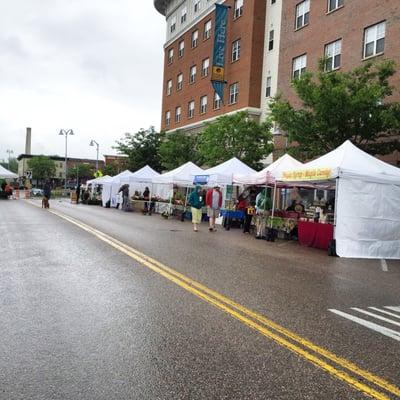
(81, 320)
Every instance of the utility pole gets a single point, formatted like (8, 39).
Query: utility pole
(66, 133)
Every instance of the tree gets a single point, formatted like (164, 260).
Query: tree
(42, 167)
(11, 166)
(110, 169)
(337, 106)
(141, 148)
(178, 148)
(236, 135)
(81, 171)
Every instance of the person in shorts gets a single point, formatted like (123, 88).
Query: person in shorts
(213, 203)
(196, 202)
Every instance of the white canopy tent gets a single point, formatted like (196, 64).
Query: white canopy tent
(100, 180)
(140, 179)
(367, 200)
(270, 173)
(111, 187)
(6, 174)
(181, 176)
(223, 174)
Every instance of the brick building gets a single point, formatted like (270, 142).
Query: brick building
(348, 32)
(188, 96)
(268, 43)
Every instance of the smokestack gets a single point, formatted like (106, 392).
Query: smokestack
(28, 141)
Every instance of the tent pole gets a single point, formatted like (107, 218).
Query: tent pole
(273, 205)
(335, 211)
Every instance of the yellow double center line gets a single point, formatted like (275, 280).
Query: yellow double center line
(336, 366)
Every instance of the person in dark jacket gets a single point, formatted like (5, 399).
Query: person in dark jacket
(196, 201)
(46, 194)
(125, 197)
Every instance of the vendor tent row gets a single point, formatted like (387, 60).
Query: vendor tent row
(367, 211)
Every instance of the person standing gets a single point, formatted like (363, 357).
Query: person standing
(78, 192)
(196, 202)
(263, 206)
(125, 197)
(47, 193)
(214, 203)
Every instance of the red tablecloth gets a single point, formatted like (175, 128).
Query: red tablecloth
(314, 234)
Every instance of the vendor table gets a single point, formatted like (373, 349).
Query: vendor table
(314, 234)
(229, 216)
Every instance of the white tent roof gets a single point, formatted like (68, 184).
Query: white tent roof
(100, 180)
(145, 174)
(6, 174)
(182, 175)
(348, 160)
(121, 175)
(274, 171)
(223, 173)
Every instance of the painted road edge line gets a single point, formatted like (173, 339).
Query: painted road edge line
(342, 362)
(384, 265)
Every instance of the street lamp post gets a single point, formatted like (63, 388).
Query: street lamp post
(92, 143)
(66, 133)
(9, 152)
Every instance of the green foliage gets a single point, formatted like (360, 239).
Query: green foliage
(12, 166)
(42, 167)
(110, 169)
(337, 106)
(81, 171)
(235, 135)
(178, 148)
(141, 148)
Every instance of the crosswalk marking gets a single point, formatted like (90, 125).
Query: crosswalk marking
(393, 334)
(376, 316)
(393, 308)
(385, 312)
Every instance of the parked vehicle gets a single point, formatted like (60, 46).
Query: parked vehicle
(36, 192)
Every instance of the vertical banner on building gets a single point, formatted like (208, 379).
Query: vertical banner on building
(218, 67)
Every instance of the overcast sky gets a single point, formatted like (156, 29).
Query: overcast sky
(91, 65)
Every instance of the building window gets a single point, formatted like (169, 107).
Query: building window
(173, 24)
(233, 93)
(268, 87)
(374, 40)
(179, 82)
(205, 67)
(238, 11)
(271, 40)
(195, 39)
(203, 104)
(191, 109)
(273, 1)
(334, 4)
(207, 30)
(167, 118)
(193, 72)
(196, 6)
(299, 66)
(302, 13)
(181, 49)
(169, 87)
(217, 101)
(183, 15)
(170, 56)
(333, 55)
(178, 112)
(236, 50)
